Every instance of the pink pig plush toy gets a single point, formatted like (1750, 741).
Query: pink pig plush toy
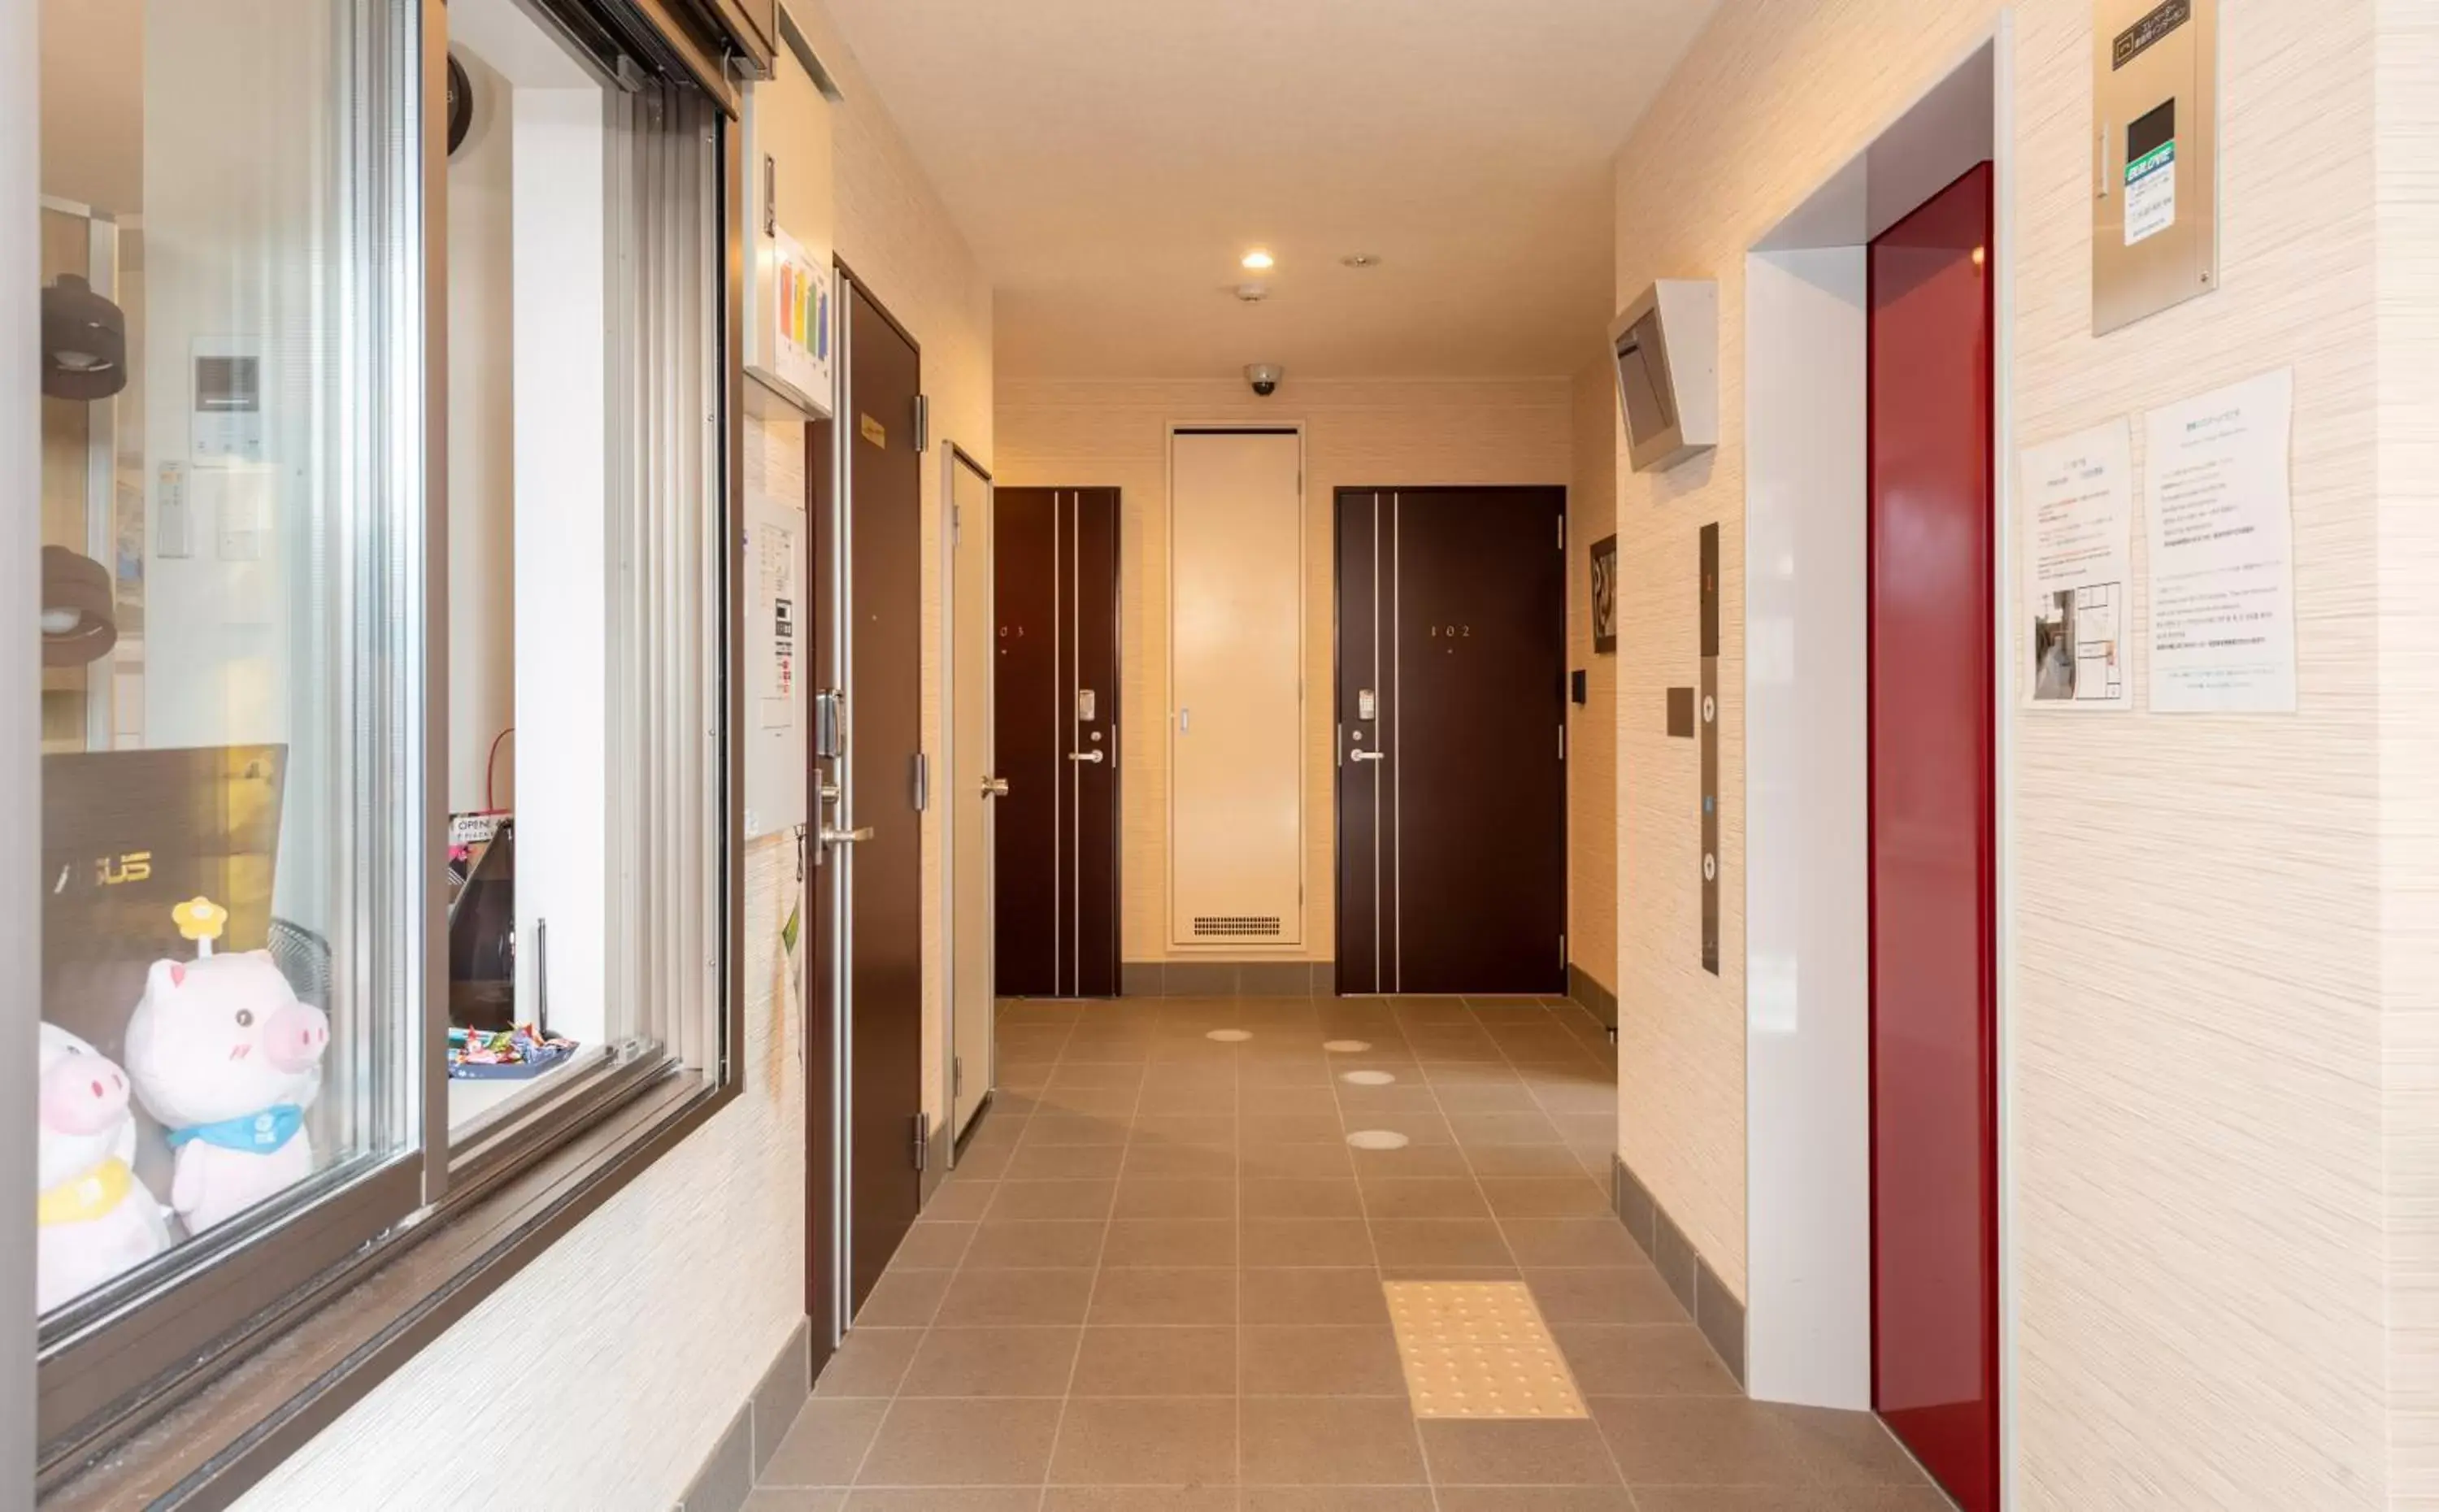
(93, 1219)
(227, 1058)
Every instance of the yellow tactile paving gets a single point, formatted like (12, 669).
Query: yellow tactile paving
(1479, 1349)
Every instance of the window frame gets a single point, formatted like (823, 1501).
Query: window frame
(165, 1399)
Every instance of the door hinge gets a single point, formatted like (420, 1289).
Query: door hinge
(923, 781)
(1562, 532)
(1563, 954)
(1563, 742)
(956, 1076)
(922, 422)
(922, 1140)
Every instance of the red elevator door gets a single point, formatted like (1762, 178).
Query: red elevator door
(1934, 1129)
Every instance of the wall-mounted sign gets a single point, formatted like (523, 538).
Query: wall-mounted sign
(2078, 554)
(2155, 201)
(800, 319)
(2217, 505)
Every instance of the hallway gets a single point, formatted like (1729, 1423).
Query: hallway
(1156, 1280)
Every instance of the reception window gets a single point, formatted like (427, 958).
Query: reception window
(383, 741)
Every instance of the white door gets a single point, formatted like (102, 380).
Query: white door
(967, 624)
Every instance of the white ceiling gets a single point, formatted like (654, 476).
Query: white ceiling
(1109, 160)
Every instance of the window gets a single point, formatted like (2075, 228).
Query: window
(288, 642)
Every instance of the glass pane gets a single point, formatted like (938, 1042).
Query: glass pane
(231, 718)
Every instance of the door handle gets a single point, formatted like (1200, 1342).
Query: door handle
(994, 787)
(1367, 755)
(1084, 755)
(846, 837)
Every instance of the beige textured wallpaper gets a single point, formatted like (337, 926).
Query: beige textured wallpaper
(1591, 730)
(1089, 433)
(2195, 993)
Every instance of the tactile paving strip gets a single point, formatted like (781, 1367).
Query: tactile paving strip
(1479, 1349)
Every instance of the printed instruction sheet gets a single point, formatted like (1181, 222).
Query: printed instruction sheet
(2216, 504)
(2078, 551)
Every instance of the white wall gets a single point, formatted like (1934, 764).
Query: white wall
(482, 482)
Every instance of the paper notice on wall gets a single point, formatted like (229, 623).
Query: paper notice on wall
(2078, 551)
(776, 596)
(2216, 502)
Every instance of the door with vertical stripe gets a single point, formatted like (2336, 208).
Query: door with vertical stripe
(1056, 722)
(1450, 741)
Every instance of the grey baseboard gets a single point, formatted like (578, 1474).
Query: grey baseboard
(728, 1473)
(1227, 979)
(935, 1160)
(1597, 999)
(1697, 1287)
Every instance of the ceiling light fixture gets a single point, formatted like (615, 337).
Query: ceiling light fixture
(1362, 259)
(1258, 260)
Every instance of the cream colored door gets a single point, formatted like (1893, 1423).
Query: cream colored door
(1236, 689)
(969, 779)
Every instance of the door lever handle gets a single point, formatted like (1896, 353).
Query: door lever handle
(1367, 755)
(994, 787)
(1084, 755)
(846, 837)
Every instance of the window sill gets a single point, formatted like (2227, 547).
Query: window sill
(201, 1445)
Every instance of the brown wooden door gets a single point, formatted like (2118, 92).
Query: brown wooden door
(1451, 715)
(1055, 565)
(874, 883)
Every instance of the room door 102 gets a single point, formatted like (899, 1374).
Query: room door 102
(1055, 573)
(1451, 731)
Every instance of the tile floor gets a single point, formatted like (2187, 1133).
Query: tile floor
(1154, 1280)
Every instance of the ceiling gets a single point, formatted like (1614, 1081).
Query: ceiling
(1109, 160)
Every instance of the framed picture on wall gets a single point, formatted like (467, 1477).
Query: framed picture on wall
(1605, 596)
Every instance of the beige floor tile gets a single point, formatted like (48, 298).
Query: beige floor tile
(1515, 1451)
(1090, 1102)
(1301, 1199)
(1173, 1197)
(1644, 1359)
(987, 1159)
(1291, 1129)
(932, 1245)
(825, 1443)
(1171, 1242)
(1572, 1241)
(1304, 1241)
(961, 1442)
(1446, 1198)
(1047, 1200)
(1157, 1362)
(1608, 1294)
(1337, 1499)
(1273, 1163)
(1698, 1441)
(903, 1299)
(1528, 1161)
(1311, 1360)
(868, 1362)
(1165, 1296)
(1278, 1102)
(1039, 1163)
(1848, 1449)
(942, 1499)
(1538, 1499)
(961, 1197)
(1309, 1296)
(1035, 1244)
(1209, 1130)
(1011, 1298)
(1505, 1128)
(1140, 1498)
(1103, 1066)
(1147, 1441)
(1442, 1162)
(1153, 1161)
(793, 1499)
(1329, 1441)
(1013, 1361)
(1058, 1128)
(1537, 1196)
(1439, 1241)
